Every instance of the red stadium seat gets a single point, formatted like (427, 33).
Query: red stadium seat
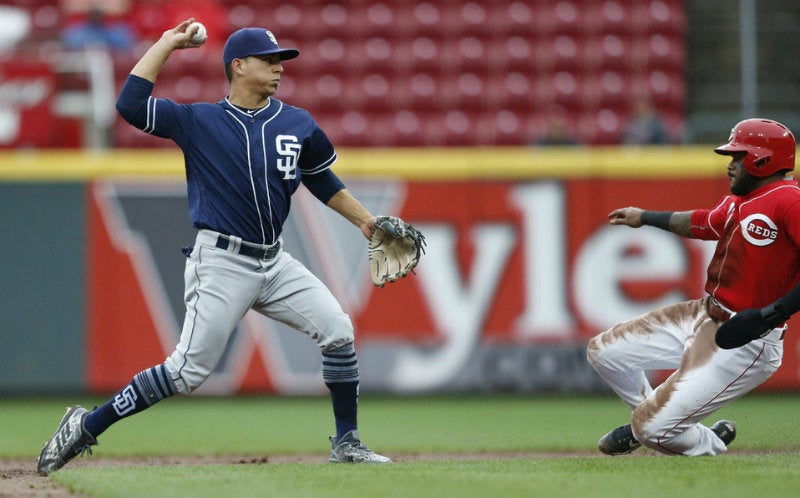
(666, 89)
(614, 89)
(503, 126)
(427, 16)
(567, 17)
(384, 129)
(609, 51)
(321, 92)
(351, 127)
(601, 127)
(568, 52)
(370, 92)
(301, 20)
(414, 54)
(371, 54)
(659, 16)
(405, 23)
(513, 90)
(322, 55)
(451, 128)
(461, 90)
(460, 52)
(242, 15)
(513, 53)
(507, 18)
(665, 52)
(284, 19)
(423, 89)
(408, 128)
(466, 18)
(608, 17)
(564, 88)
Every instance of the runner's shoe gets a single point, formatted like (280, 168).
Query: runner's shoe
(619, 441)
(725, 430)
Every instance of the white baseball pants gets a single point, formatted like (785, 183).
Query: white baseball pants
(706, 378)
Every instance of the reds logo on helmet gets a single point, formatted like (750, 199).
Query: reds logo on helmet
(759, 230)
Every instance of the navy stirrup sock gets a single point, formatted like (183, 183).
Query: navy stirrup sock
(340, 373)
(147, 388)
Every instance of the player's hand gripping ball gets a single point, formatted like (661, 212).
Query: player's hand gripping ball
(200, 35)
(394, 249)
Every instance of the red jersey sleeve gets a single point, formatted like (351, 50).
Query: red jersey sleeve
(709, 224)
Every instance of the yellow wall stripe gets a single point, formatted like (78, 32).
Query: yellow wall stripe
(502, 163)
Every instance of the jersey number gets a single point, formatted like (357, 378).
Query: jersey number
(288, 148)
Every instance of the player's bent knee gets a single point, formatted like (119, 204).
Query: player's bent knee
(336, 342)
(592, 350)
(595, 352)
(337, 333)
(186, 379)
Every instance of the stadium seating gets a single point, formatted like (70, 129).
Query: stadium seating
(449, 72)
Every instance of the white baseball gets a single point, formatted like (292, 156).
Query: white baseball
(200, 35)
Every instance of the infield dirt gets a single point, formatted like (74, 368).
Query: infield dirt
(19, 478)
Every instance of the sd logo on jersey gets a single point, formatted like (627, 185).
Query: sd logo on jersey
(288, 147)
(759, 230)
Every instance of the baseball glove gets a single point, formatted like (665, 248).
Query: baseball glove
(394, 249)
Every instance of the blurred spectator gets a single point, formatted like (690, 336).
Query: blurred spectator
(99, 23)
(558, 132)
(150, 16)
(646, 126)
(15, 24)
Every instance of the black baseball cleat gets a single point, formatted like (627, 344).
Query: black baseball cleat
(725, 430)
(70, 440)
(349, 449)
(619, 441)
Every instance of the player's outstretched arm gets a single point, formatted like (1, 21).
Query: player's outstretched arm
(351, 208)
(630, 216)
(677, 222)
(156, 56)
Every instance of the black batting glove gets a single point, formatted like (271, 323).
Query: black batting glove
(750, 324)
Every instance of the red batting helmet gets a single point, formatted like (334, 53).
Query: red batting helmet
(769, 146)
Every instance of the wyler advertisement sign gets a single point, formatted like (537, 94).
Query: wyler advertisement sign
(517, 276)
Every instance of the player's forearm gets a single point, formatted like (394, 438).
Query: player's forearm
(351, 209)
(153, 60)
(156, 56)
(677, 222)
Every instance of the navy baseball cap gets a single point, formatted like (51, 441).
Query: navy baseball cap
(254, 41)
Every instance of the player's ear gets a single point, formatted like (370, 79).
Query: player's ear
(238, 66)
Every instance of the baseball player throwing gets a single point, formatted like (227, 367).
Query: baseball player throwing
(718, 354)
(245, 156)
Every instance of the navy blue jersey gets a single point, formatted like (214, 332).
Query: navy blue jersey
(241, 167)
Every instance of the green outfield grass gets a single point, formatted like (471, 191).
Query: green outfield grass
(764, 459)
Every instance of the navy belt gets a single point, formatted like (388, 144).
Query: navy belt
(224, 242)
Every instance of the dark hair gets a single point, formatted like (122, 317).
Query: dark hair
(228, 72)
